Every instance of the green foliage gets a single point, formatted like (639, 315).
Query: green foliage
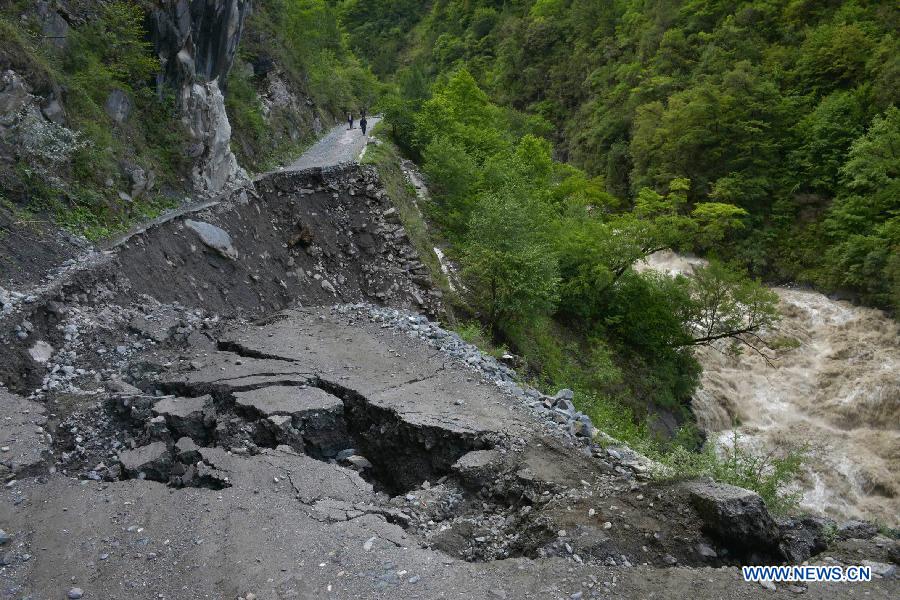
(509, 270)
(768, 475)
(758, 103)
(863, 224)
(307, 40)
(74, 172)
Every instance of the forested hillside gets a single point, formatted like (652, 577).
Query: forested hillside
(785, 109)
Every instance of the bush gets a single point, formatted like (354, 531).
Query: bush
(769, 476)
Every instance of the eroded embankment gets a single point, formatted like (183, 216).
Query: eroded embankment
(313, 237)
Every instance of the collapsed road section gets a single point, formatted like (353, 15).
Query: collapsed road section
(189, 415)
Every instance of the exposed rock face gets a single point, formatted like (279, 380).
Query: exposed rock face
(197, 41)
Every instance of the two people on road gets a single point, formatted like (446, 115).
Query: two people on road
(362, 121)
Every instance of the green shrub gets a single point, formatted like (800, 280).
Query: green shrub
(768, 475)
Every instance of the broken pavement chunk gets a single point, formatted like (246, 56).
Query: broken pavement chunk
(316, 414)
(187, 417)
(153, 461)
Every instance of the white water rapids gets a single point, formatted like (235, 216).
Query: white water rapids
(834, 386)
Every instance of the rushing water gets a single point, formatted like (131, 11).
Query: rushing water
(834, 386)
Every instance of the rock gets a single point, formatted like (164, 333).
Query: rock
(186, 451)
(707, 552)
(14, 96)
(4, 537)
(479, 467)
(118, 106)
(881, 569)
(859, 530)
(737, 517)
(74, 593)
(119, 387)
(359, 463)
(153, 461)
(314, 412)
(41, 352)
(803, 538)
(203, 113)
(214, 237)
(564, 394)
(53, 111)
(188, 417)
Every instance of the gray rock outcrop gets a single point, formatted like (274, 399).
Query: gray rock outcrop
(197, 41)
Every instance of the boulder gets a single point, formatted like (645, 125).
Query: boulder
(213, 237)
(803, 538)
(479, 467)
(736, 517)
(186, 451)
(153, 461)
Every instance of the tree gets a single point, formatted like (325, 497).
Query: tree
(719, 303)
(863, 225)
(510, 271)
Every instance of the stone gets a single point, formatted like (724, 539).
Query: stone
(565, 394)
(213, 237)
(737, 517)
(803, 538)
(881, 569)
(203, 112)
(186, 451)
(707, 552)
(4, 537)
(312, 411)
(118, 106)
(153, 461)
(188, 417)
(41, 352)
(53, 111)
(74, 593)
(14, 96)
(860, 530)
(479, 467)
(359, 463)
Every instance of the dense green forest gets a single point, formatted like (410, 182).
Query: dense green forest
(784, 108)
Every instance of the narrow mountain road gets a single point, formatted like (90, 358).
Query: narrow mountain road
(341, 145)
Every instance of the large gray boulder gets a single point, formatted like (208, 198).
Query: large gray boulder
(118, 106)
(737, 517)
(214, 237)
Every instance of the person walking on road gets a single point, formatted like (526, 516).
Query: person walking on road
(350, 120)
(362, 124)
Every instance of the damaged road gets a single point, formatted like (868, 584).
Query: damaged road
(189, 414)
(319, 454)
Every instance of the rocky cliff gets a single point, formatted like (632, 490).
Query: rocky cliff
(197, 41)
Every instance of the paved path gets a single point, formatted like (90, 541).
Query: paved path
(341, 145)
